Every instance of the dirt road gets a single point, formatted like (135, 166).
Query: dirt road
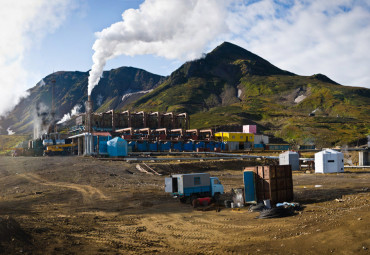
(73, 205)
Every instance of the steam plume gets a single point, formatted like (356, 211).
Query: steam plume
(75, 110)
(174, 29)
(41, 120)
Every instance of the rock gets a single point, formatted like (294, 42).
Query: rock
(141, 229)
(359, 219)
(11, 230)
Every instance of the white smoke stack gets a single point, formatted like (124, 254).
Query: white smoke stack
(174, 29)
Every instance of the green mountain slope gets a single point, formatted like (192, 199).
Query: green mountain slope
(234, 86)
(230, 85)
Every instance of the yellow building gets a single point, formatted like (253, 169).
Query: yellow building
(235, 137)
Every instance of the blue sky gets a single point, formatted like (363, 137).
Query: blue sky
(70, 47)
(305, 37)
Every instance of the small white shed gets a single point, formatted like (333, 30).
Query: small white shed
(329, 161)
(289, 158)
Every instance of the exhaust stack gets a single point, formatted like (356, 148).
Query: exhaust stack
(89, 147)
(88, 114)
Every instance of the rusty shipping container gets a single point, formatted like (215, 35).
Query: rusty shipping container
(273, 182)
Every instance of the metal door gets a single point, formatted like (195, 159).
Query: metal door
(249, 186)
(168, 185)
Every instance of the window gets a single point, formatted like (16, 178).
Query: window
(196, 180)
(215, 181)
(241, 137)
(233, 137)
(331, 161)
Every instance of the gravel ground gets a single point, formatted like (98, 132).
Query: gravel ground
(76, 205)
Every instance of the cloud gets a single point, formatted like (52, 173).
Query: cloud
(24, 24)
(307, 37)
(174, 29)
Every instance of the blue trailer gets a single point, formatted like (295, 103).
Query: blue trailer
(193, 186)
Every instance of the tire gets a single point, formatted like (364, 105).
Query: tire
(216, 197)
(193, 197)
(195, 203)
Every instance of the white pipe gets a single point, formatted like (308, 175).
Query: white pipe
(356, 166)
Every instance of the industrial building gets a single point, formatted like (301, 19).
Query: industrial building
(235, 140)
(112, 121)
(158, 132)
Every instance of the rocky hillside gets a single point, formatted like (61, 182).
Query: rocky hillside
(70, 93)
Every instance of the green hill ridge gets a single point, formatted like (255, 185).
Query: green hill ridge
(228, 86)
(231, 85)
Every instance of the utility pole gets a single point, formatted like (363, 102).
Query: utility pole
(53, 106)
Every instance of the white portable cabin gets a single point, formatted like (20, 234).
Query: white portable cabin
(329, 161)
(289, 158)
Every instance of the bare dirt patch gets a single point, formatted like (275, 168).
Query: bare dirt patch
(73, 205)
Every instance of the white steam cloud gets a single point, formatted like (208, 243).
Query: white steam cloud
(75, 110)
(125, 96)
(305, 37)
(174, 29)
(23, 25)
(10, 132)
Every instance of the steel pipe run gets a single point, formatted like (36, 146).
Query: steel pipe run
(214, 153)
(356, 166)
(206, 153)
(174, 159)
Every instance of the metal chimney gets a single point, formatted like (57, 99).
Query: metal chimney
(88, 114)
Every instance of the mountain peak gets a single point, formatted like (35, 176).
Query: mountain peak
(251, 63)
(323, 78)
(228, 50)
